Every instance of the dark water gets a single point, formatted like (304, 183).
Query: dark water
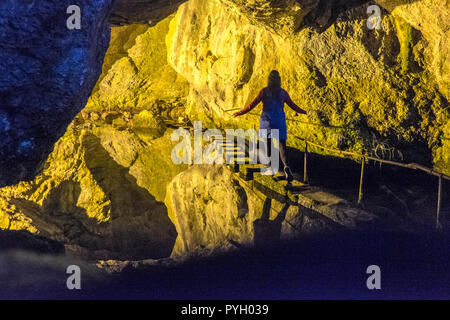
(325, 267)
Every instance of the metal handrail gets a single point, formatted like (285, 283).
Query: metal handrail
(414, 166)
(364, 157)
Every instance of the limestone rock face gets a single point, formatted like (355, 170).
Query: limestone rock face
(102, 191)
(47, 73)
(372, 90)
(432, 19)
(281, 16)
(289, 16)
(136, 74)
(214, 210)
(101, 188)
(358, 84)
(209, 208)
(96, 195)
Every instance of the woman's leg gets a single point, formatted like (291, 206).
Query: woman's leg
(283, 152)
(287, 171)
(266, 152)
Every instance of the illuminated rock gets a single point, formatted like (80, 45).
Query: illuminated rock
(204, 203)
(354, 81)
(136, 74)
(363, 89)
(100, 195)
(381, 91)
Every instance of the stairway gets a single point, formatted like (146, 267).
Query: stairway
(316, 202)
(321, 203)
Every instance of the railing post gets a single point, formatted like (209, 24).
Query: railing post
(361, 181)
(305, 164)
(438, 210)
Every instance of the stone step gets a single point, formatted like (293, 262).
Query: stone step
(243, 160)
(233, 149)
(254, 170)
(326, 206)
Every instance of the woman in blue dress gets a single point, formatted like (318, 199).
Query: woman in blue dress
(273, 98)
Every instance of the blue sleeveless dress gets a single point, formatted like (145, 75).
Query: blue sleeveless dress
(273, 117)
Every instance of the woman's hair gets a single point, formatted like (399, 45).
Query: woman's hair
(274, 83)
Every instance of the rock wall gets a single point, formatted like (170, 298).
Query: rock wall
(47, 73)
(102, 191)
(328, 58)
(431, 18)
(373, 90)
(210, 208)
(100, 194)
(136, 73)
(214, 211)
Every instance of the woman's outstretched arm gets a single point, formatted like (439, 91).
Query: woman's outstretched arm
(252, 105)
(291, 103)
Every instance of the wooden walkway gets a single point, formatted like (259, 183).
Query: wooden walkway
(335, 211)
(331, 207)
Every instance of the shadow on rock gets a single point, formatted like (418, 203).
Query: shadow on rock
(138, 226)
(267, 233)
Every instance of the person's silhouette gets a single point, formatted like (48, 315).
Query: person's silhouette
(267, 232)
(273, 116)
